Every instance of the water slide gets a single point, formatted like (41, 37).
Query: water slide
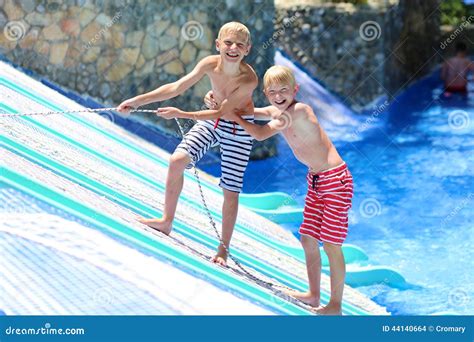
(278, 207)
(104, 176)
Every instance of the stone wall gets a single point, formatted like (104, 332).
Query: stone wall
(361, 52)
(113, 50)
(412, 43)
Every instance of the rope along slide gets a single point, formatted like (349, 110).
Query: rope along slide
(264, 283)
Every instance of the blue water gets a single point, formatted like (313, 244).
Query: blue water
(412, 208)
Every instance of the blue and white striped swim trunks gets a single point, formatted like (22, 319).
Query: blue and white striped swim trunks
(235, 146)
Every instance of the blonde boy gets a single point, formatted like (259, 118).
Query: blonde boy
(329, 181)
(233, 82)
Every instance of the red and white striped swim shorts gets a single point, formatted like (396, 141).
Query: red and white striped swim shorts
(327, 205)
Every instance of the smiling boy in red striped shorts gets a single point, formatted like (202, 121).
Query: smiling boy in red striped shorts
(327, 204)
(329, 182)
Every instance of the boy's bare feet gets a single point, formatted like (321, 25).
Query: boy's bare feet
(221, 256)
(331, 309)
(305, 297)
(158, 224)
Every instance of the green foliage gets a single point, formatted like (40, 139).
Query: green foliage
(453, 12)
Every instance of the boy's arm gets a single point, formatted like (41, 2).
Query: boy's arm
(262, 132)
(260, 113)
(263, 113)
(227, 106)
(173, 112)
(169, 90)
(276, 125)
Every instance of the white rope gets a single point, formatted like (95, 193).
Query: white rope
(86, 110)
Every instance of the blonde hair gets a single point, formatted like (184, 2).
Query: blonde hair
(237, 27)
(278, 74)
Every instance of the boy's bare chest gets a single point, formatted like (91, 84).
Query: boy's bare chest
(291, 134)
(299, 132)
(223, 85)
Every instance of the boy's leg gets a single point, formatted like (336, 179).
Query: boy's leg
(335, 222)
(310, 230)
(337, 268)
(313, 267)
(193, 146)
(230, 209)
(174, 185)
(235, 153)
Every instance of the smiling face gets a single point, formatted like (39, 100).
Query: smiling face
(281, 95)
(280, 86)
(233, 46)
